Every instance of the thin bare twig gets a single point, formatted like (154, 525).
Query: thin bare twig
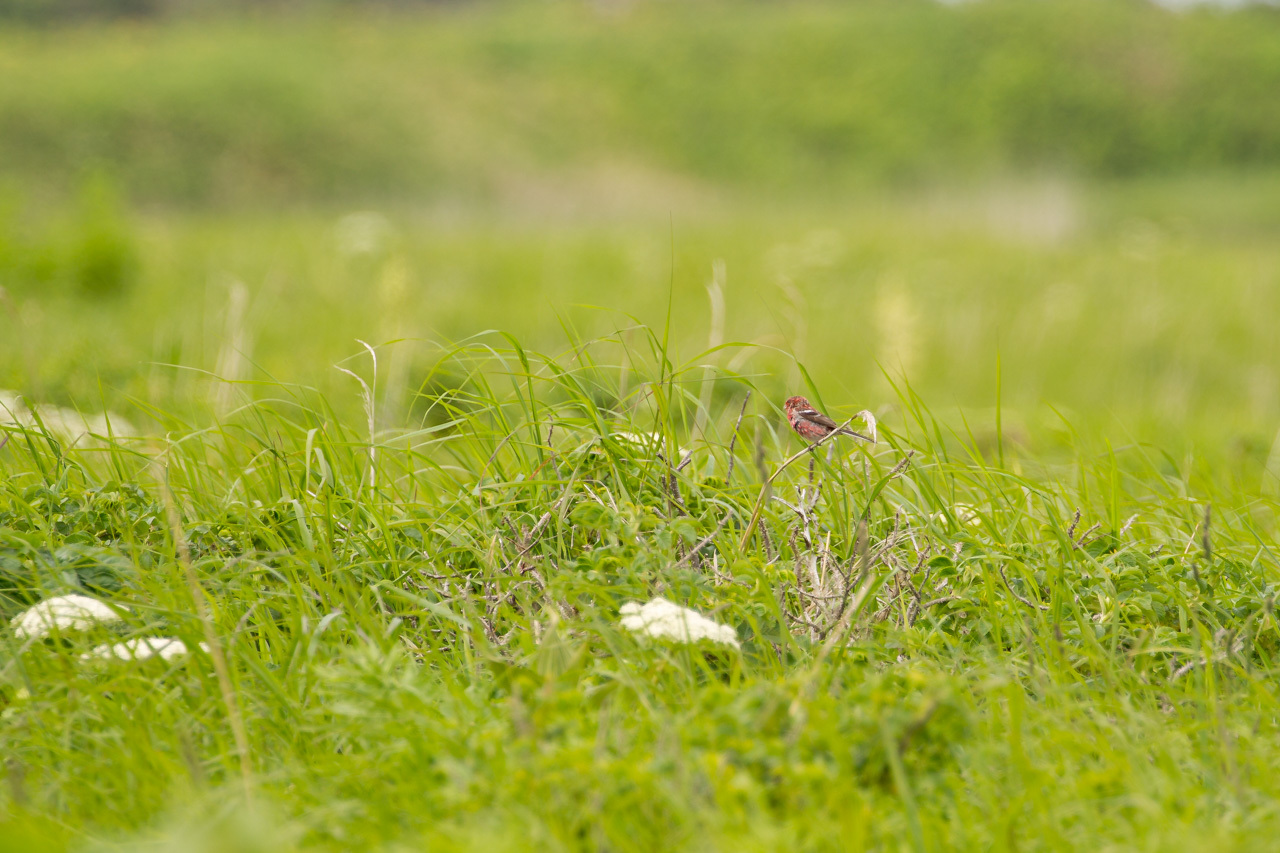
(704, 542)
(734, 440)
(921, 556)
(897, 469)
(1071, 531)
(755, 514)
(530, 539)
(1014, 593)
(817, 629)
(860, 550)
(1079, 542)
(800, 592)
(893, 472)
(674, 498)
(769, 551)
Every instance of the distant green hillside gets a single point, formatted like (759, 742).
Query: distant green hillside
(456, 100)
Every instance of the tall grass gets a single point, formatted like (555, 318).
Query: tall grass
(1038, 612)
(1144, 312)
(937, 649)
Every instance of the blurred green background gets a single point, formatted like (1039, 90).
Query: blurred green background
(1087, 193)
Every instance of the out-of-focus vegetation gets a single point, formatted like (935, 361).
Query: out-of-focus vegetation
(1134, 307)
(1087, 188)
(590, 247)
(794, 97)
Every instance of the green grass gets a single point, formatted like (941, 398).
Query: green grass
(371, 302)
(422, 628)
(1141, 309)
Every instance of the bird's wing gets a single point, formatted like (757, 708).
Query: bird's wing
(818, 418)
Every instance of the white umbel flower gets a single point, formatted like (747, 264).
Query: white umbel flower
(165, 648)
(62, 613)
(663, 620)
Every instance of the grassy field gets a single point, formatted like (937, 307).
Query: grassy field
(390, 458)
(419, 609)
(941, 646)
(1135, 308)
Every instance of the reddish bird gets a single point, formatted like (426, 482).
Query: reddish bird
(810, 424)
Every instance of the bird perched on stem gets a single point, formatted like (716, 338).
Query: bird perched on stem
(812, 425)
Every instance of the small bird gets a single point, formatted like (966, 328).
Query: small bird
(812, 425)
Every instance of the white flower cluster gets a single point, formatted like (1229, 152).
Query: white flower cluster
(165, 648)
(64, 613)
(664, 620)
(60, 614)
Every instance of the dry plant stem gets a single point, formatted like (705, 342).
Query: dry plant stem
(705, 541)
(674, 499)
(1084, 537)
(770, 552)
(1184, 669)
(1012, 592)
(1129, 523)
(837, 633)
(222, 672)
(1231, 643)
(531, 538)
(755, 513)
(861, 569)
(893, 473)
(840, 631)
(897, 469)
